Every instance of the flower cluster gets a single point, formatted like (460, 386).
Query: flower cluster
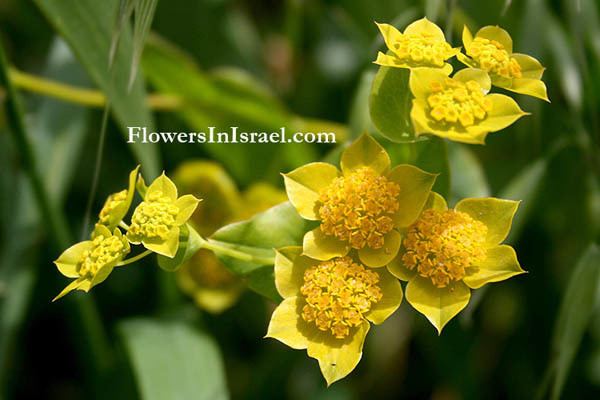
(155, 224)
(370, 216)
(458, 107)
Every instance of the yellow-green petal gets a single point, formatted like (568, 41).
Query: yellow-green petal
(287, 325)
(304, 184)
(415, 186)
(365, 152)
(498, 34)
(70, 287)
(163, 185)
(505, 111)
(187, 205)
(500, 264)
(390, 34)
(290, 266)
(421, 79)
(323, 247)
(467, 38)
(474, 74)
(375, 258)
(168, 247)
(530, 87)
(399, 270)
(101, 275)
(391, 291)
(439, 305)
(496, 214)
(530, 67)
(390, 61)
(68, 260)
(435, 201)
(338, 357)
(425, 26)
(466, 60)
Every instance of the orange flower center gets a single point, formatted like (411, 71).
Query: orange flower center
(492, 57)
(440, 245)
(421, 50)
(338, 294)
(457, 103)
(358, 208)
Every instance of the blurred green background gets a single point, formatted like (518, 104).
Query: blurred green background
(304, 65)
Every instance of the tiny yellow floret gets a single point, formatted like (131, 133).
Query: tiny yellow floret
(455, 102)
(154, 217)
(491, 56)
(357, 208)
(112, 202)
(423, 48)
(442, 244)
(104, 251)
(338, 294)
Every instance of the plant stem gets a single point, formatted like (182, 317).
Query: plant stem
(123, 225)
(134, 258)
(86, 97)
(233, 253)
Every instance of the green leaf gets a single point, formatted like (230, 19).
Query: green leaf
(173, 360)
(525, 187)
(467, 174)
(189, 243)
(390, 104)
(87, 26)
(580, 300)
(248, 246)
(431, 155)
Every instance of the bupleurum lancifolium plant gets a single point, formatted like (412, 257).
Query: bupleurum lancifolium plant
(361, 228)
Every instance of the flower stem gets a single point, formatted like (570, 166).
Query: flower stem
(123, 225)
(233, 253)
(134, 258)
(86, 97)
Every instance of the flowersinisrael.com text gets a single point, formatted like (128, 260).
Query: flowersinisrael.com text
(140, 134)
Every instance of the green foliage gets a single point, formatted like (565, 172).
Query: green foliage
(173, 360)
(87, 25)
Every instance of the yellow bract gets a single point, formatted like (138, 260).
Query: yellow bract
(117, 204)
(90, 262)
(491, 50)
(459, 107)
(155, 222)
(362, 207)
(421, 45)
(327, 307)
(445, 253)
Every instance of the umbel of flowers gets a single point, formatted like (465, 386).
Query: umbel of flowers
(155, 224)
(457, 107)
(372, 215)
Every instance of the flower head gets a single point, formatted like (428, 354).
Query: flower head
(446, 253)
(492, 50)
(422, 44)
(327, 307)
(458, 107)
(90, 262)
(362, 207)
(117, 204)
(156, 220)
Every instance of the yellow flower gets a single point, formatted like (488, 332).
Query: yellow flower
(327, 307)
(458, 107)
(492, 51)
(360, 208)
(90, 262)
(203, 277)
(117, 204)
(421, 45)
(155, 222)
(446, 253)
